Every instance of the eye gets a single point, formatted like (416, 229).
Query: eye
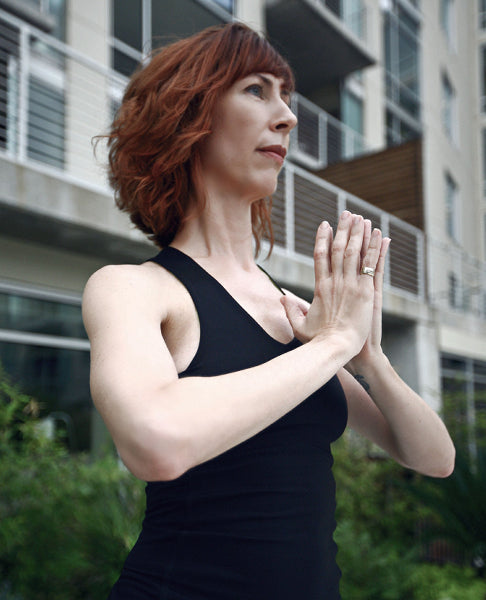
(256, 89)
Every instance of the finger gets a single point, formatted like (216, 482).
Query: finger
(352, 255)
(380, 265)
(322, 250)
(340, 242)
(374, 250)
(295, 313)
(366, 237)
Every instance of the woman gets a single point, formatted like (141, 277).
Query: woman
(220, 390)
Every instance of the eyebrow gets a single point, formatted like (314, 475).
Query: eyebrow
(283, 90)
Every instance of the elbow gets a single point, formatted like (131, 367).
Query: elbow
(444, 467)
(156, 456)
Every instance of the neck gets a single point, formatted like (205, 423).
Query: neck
(221, 231)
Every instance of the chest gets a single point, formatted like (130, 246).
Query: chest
(251, 305)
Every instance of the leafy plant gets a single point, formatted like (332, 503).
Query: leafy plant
(459, 505)
(66, 522)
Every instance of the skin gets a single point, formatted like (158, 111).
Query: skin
(144, 330)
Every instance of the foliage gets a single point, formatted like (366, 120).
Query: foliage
(448, 582)
(379, 505)
(65, 523)
(459, 505)
(376, 525)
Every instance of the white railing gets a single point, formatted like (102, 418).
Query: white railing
(319, 139)
(353, 13)
(457, 281)
(53, 100)
(303, 200)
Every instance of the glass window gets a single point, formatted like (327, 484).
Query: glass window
(482, 14)
(464, 399)
(36, 315)
(59, 379)
(226, 4)
(447, 20)
(484, 162)
(127, 22)
(483, 78)
(45, 141)
(402, 55)
(451, 208)
(140, 25)
(44, 349)
(448, 108)
(178, 19)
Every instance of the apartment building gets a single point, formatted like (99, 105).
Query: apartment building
(392, 124)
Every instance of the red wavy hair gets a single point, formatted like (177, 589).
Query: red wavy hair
(155, 140)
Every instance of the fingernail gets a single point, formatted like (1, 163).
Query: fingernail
(324, 224)
(346, 214)
(357, 219)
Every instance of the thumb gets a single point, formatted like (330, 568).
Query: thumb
(295, 313)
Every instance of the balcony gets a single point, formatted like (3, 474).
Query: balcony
(53, 100)
(303, 200)
(324, 40)
(319, 139)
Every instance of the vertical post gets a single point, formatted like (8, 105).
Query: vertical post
(23, 100)
(289, 210)
(385, 230)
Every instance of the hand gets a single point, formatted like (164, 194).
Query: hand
(343, 297)
(372, 345)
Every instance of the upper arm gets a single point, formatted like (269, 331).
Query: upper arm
(130, 361)
(365, 417)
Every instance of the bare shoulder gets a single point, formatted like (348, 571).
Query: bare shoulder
(121, 290)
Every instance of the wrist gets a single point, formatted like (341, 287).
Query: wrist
(369, 364)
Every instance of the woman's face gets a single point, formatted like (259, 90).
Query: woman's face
(250, 137)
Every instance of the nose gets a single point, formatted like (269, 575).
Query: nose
(285, 120)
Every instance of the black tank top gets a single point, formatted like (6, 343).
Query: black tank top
(256, 522)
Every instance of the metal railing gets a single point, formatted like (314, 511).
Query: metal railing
(53, 100)
(319, 139)
(457, 281)
(303, 200)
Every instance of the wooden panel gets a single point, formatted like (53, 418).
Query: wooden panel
(390, 180)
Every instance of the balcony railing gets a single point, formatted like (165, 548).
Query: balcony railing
(319, 139)
(303, 200)
(54, 100)
(457, 281)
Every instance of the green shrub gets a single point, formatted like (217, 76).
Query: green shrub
(449, 582)
(66, 523)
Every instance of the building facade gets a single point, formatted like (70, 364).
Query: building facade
(392, 124)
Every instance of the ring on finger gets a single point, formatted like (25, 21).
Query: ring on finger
(368, 271)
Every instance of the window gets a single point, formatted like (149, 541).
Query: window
(42, 138)
(482, 14)
(140, 25)
(43, 348)
(402, 55)
(464, 399)
(449, 111)
(484, 161)
(352, 117)
(447, 21)
(482, 78)
(451, 208)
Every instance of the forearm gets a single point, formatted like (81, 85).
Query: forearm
(418, 437)
(194, 419)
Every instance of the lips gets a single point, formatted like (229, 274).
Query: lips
(276, 152)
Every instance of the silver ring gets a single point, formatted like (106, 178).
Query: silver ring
(368, 271)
